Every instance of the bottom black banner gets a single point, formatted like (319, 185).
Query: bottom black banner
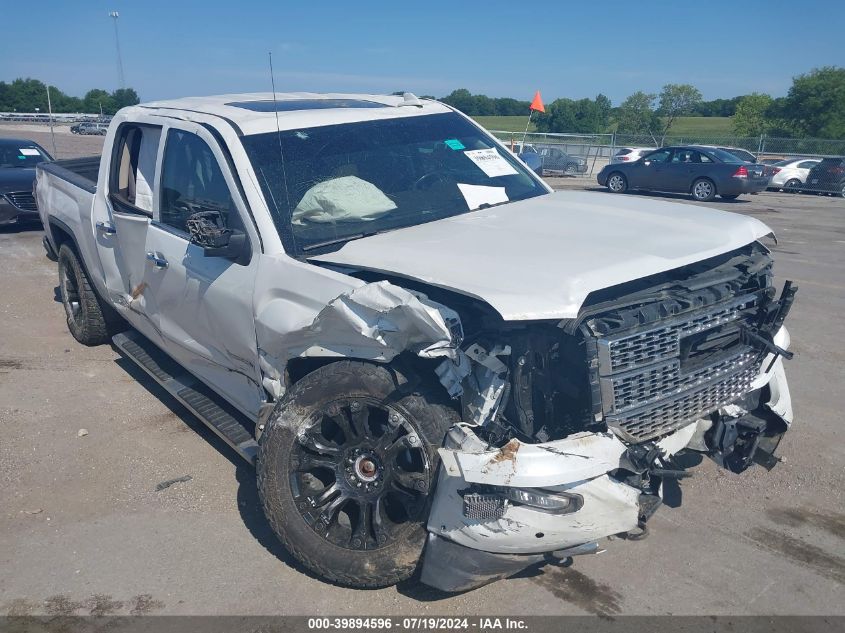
(401, 624)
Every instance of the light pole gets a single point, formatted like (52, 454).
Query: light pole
(114, 15)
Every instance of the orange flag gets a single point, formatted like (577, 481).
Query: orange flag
(537, 103)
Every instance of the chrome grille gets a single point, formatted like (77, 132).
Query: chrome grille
(646, 389)
(643, 348)
(652, 421)
(639, 387)
(22, 200)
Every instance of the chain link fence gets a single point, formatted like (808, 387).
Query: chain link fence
(585, 154)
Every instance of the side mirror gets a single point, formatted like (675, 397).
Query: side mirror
(208, 231)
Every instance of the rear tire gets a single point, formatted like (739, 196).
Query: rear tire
(346, 468)
(733, 196)
(85, 315)
(792, 185)
(703, 190)
(617, 183)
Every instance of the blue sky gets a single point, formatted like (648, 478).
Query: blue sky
(566, 49)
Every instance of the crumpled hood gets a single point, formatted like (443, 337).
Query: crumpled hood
(540, 258)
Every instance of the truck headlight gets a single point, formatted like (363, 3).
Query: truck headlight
(545, 500)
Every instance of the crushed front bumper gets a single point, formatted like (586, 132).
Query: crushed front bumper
(465, 552)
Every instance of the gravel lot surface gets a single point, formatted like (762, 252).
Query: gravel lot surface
(83, 527)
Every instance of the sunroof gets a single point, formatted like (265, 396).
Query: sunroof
(290, 105)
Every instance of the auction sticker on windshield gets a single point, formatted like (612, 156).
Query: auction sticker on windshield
(491, 162)
(477, 195)
(29, 151)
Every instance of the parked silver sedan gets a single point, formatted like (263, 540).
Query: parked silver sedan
(791, 174)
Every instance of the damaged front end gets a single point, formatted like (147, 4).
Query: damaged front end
(571, 428)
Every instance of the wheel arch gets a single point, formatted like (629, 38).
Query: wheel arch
(60, 233)
(407, 367)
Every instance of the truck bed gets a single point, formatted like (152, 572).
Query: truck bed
(81, 172)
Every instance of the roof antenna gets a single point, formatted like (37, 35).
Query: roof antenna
(275, 103)
(279, 131)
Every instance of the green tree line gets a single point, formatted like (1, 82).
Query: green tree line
(814, 107)
(29, 95)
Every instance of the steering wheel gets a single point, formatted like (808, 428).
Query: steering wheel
(427, 180)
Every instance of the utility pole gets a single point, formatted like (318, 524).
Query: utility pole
(114, 15)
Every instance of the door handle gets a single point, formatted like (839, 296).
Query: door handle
(108, 229)
(157, 260)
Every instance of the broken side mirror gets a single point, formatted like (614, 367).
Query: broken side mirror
(208, 230)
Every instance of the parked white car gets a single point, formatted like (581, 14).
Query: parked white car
(630, 154)
(791, 174)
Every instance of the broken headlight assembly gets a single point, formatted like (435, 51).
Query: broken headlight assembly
(492, 502)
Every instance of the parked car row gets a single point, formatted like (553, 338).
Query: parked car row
(693, 169)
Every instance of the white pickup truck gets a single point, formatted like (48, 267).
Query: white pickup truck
(432, 359)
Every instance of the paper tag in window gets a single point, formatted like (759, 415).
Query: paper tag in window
(29, 151)
(491, 162)
(477, 195)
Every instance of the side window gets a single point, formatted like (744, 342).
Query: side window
(133, 168)
(807, 164)
(191, 181)
(660, 156)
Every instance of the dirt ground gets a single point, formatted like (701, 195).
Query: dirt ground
(83, 526)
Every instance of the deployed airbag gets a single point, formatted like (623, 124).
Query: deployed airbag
(344, 199)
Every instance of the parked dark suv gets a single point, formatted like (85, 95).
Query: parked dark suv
(827, 177)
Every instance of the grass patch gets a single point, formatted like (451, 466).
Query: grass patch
(505, 123)
(709, 126)
(686, 125)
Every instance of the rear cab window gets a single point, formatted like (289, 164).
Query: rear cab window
(132, 176)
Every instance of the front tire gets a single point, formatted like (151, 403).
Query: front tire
(346, 466)
(703, 190)
(84, 313)
(617, 183)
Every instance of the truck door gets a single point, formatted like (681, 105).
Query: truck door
(204, 304)
(122, 212)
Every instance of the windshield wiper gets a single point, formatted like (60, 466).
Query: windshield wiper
(488, 205)
(340, 240)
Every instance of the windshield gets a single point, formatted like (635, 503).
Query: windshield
(327, 185)
(20, 156)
